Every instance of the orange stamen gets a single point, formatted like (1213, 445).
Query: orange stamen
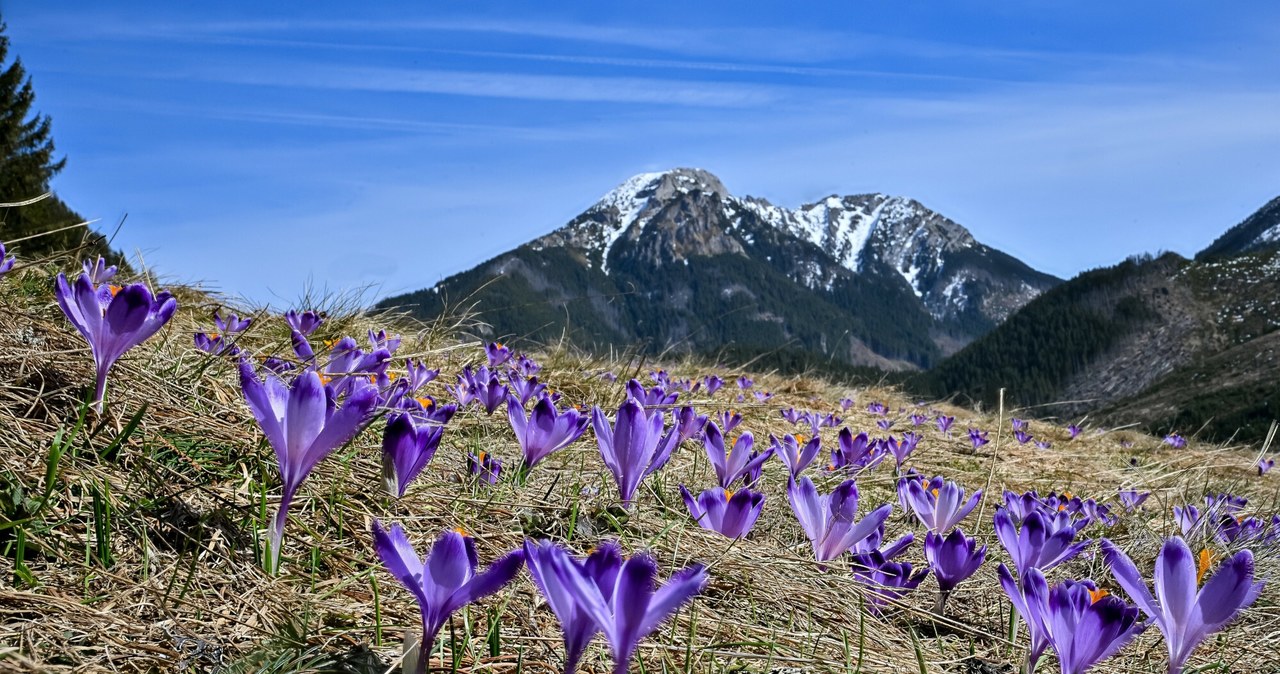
(325, 379)
(461, 532)
(114, 290)
(1095, 595)
(800, 439)
(728, 494)
(1206, 561)
(482, 455)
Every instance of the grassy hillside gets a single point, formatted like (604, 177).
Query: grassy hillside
(145, 556)
(1058, 335)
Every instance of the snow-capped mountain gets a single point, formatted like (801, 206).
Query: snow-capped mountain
(867, 279)
(1259, 231)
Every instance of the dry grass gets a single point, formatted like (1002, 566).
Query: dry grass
(183, 592)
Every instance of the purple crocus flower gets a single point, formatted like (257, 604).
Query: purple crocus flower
(829, 520)
(872, 543)
(953, 559)
(1043, 444)
(418, 374)
(653, 399)
(885, 581)
(213, 344)
(1265, 466)
(491, 393)
(216, 343)
(745, 383)
(1084, 625)
(793, 416)
(944, 424)
(525, 388)
(795, 456)
(901, 450)
(938, 504)
(855, 453)
(918, 419)
(6, 263)
(303, 323)
(609, 376)
(526, 366)
(633, 447)
(1132, 499)
(381, 340)
(846, 404)
(545, 560)
(497, 353)
(304, 425)
(735, 462)
(885, 424)
(232, 324)
(624, 604)
(1073, 431)
(1175, 441)
(1018, 424)
(544, 430)
(485, 467)
(277, 365)
(112, 319)
(1022, 437)
(977, 437)
(689, 423)
(877, 408)
(481, 386)
(1186, 612)
(712, 383)
(729, 513)
(1224, 503)
(407, 447)
(729, 420)
(443, 582)
(98, 271)
(1034, 546)
(762, 396)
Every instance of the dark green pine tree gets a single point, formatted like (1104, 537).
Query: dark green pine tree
(27, 164)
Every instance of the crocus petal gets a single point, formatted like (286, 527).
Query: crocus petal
(487, 582)
(1129, 578)
(631, 598)
(1175, 581)
(680, 588)
(1230, 589)
(399, 558)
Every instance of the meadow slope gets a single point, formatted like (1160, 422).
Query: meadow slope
(146, 556)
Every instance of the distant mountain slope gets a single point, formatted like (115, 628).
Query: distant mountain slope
(1168, 342)
(674, 260)
(1259, 231)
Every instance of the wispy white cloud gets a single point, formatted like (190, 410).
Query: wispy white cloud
(571, 88)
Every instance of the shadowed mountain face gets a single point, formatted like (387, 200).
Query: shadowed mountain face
(1171, 343)
(673, 260)
(1260, 231)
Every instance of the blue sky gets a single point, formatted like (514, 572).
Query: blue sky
(389, 145)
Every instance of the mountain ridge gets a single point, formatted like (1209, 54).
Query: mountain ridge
(1168, 342)
(664, 256)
